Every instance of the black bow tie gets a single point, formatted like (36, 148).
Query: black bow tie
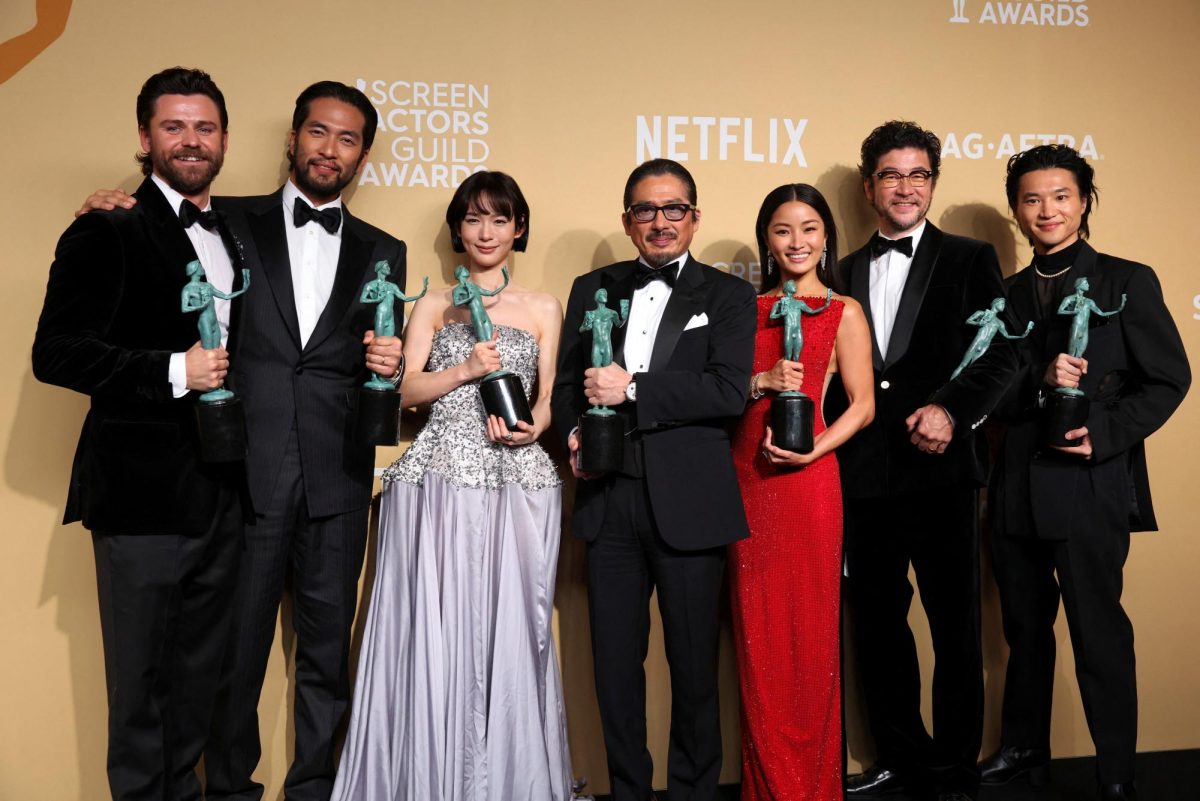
(880, 245)
(190, 214)
(645, 275)
(329, 219)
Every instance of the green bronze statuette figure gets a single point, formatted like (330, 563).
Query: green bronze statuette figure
(600, 321)
(792, 411)
(501, 390)
(601, 430)
(989, 324)
(198, 295)
(384, 294)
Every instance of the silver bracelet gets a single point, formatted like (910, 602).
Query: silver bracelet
(755, 392)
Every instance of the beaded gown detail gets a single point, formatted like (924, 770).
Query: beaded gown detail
(784, 587)
(458, 695)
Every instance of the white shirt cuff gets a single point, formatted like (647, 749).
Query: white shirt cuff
(177, 374)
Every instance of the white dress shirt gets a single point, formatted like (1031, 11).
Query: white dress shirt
(313, 253)
(645, 313)
(218, 269)
(887, 277)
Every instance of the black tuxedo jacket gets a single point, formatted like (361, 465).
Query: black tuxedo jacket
(1137, 376)
(110, 322)
(696, 385)
(951, 277)
(312, 387)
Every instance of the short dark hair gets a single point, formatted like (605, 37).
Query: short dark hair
(897, 135)
(805, 193)
(175, 81)
(346, 94)
(488, 191)
(659, 167)
(1049, 157)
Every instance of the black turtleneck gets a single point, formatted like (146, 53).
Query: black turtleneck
(1050, 291)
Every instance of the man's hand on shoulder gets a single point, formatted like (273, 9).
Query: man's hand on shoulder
(106, 200)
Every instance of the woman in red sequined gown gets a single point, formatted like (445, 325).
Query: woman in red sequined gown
(785, 578)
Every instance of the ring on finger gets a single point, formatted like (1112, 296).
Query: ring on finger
(508, 437)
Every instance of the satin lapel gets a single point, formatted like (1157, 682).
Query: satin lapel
(923, 264)
(266, 226)
(352, 264)
(619, 284)
(687, 300)
(860, 290)
(237, 259)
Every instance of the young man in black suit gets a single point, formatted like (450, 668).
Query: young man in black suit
(166, 527)
(1065, 513)
(910, 479)
(681, 372)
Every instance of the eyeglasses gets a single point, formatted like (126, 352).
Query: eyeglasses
(646, 212)
(891, 179)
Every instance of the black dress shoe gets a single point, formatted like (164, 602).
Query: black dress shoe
(873, 782)
(1012, 763)
(1118, 792)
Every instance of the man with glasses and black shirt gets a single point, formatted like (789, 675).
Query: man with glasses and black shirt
(910, 479)
(680, 373)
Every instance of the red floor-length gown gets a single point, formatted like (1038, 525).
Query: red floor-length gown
(785, 590)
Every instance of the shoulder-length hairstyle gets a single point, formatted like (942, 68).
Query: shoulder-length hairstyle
(491, 191)
(804, 193)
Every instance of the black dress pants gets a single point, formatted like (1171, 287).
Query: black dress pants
(937, 532)
(322, 558)
(625, 563)
(164, 616)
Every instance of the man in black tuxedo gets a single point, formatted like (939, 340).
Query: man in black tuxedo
(681, 372)
(910, 479)
(1067, 512)
(298, 360)
(166, 527)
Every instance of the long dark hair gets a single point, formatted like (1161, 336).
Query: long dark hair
(805, 193)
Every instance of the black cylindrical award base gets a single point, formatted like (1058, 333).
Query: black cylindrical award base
(504, 397)
(377, 421)
(222, 426)
(792, 423)
(1064, 413)
(601, 443)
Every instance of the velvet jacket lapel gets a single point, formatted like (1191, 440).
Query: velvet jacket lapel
(913, 295)
(687, 300)
(266, 226)
(352, 261)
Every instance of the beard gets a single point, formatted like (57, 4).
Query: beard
(188, 178)
(326, 186)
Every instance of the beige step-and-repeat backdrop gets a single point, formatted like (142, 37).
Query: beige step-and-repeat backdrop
(568, 97)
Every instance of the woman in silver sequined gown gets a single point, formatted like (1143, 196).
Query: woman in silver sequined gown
(458, 696)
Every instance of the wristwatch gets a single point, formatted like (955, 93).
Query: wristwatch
(631, 392)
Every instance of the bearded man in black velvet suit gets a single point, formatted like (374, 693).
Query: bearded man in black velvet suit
(1061, 517)
(910, 479)
(166, 527)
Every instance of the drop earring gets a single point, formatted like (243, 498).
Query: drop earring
(770, 263)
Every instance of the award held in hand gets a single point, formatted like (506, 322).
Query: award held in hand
(220, 417)
(1067, 407)
(601, 430)
(501, 390)
(792, 410)
(378, 419)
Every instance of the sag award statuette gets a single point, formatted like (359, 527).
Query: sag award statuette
(219, 414)
(1068, 406)
(601, 431)
(502, 393)
(378, 419)
(990, 324)
(792, 410)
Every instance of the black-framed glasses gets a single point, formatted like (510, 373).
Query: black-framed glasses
(646, 212)
(891, 178)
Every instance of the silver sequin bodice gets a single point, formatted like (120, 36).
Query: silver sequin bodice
(454, 442)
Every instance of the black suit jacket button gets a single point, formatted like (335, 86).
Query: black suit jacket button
(299, 371)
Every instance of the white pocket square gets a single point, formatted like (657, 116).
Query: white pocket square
(697, 321)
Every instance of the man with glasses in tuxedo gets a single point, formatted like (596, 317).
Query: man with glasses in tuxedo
(910, 479)
(680, 372)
